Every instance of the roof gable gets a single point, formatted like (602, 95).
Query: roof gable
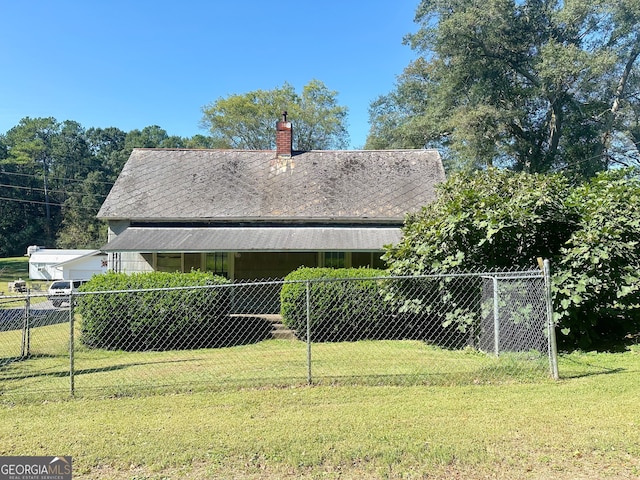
(232, 185)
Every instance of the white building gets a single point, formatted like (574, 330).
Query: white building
(56, 264)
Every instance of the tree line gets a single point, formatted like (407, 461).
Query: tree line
(55, 175)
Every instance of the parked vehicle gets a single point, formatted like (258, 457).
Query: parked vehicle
(60, 290)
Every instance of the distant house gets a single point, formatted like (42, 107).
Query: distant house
(56, 264)
(255, 214)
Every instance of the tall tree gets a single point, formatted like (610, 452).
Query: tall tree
(152, 136)
(80, 227)
(248, 120)
(107, 146)
(31, 148)
(71, 154)
(536, 85)
(20, 217)
(204, 141)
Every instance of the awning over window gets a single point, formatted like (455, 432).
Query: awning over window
(239, 239)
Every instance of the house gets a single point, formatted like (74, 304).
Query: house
(57, 264)
(256, 214)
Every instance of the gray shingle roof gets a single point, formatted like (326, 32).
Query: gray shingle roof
(231, 185)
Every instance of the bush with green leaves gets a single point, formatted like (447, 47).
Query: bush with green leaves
(346, 304)
(597, 278)
(498, 219)
(155, 311)
(481, 221)
(485, 220)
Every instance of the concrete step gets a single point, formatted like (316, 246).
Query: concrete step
(280, 330)
(283, 335)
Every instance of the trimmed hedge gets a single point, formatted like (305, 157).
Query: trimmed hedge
(347, 304)
(152, 319)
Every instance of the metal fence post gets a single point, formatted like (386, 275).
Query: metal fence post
(496, 318)
(72, 387)
(553, 346)
(308, 298)
(26, 328)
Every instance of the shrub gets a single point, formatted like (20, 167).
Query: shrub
(499, 220)
(481, 221)
(346, 304)
(149, 311)
(486, 220)
(597, 281)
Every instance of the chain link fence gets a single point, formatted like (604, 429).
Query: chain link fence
(473, 328)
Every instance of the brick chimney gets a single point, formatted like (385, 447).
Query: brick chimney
(284, 137)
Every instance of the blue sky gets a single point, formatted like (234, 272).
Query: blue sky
(135, 63)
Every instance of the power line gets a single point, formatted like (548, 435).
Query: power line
(39, 202)
(59, 179)
(34, 202)
(631, 158)
(66, 192)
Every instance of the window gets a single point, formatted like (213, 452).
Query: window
(169, 262)
(192, 261)
(335, 259)
(217, 263)
(367, 259)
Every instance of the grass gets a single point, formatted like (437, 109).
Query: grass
(267, 363)
(12, 269)
(584, 426)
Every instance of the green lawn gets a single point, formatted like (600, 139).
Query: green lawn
(265, 364)
(582, 427)
(12, 269)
